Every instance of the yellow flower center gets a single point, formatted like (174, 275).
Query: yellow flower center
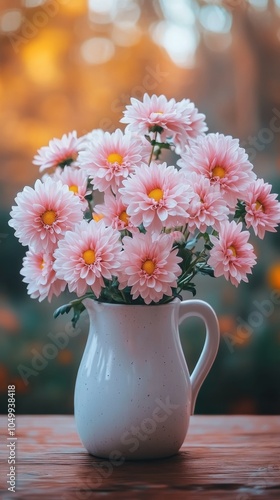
(218, 172)
(89, 256)
(42, 265)
(97, 217)
(156, 194)
(233, 250)
(74, 188)
(115, 158)
(259, 205)
(148, 266)
(124, 217)
(48, 217)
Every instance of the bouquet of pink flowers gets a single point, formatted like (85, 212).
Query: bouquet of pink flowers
(157, 225)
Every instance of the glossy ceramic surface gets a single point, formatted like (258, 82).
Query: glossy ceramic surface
(134, 394)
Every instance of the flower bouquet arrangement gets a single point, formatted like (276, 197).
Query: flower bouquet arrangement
(156, 225)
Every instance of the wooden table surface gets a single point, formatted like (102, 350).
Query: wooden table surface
(223, 457)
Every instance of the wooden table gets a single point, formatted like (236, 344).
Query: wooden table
(223, 457)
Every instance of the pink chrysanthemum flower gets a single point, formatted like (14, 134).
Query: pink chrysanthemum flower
(196, 121)
(149, 266)
(87, 255)
(111, 160)
(207, 208)
(156, 196)
(76, 180)
(92, 137)
(144, 145)
(232, 256)
(44, 214)
(177, 236)
(59, 152)
(223, 161)
(114, 213)
(40, 276)
(262, 208)
(179, 121)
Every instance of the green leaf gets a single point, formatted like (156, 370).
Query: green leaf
(66, 308)
(186, 255)
(205, 269)
(240, 210)
(160, 145)
(78, 308)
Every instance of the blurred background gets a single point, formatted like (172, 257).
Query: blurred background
(74, 64)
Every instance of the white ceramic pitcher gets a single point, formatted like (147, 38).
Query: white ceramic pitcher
(134, 395)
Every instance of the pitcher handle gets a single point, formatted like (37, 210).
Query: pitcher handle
(204, 311)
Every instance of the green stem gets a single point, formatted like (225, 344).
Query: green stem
(187, 277)
(152, 152)
(186, 232)
(88, 295)
(90, 207)
(123, 296)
